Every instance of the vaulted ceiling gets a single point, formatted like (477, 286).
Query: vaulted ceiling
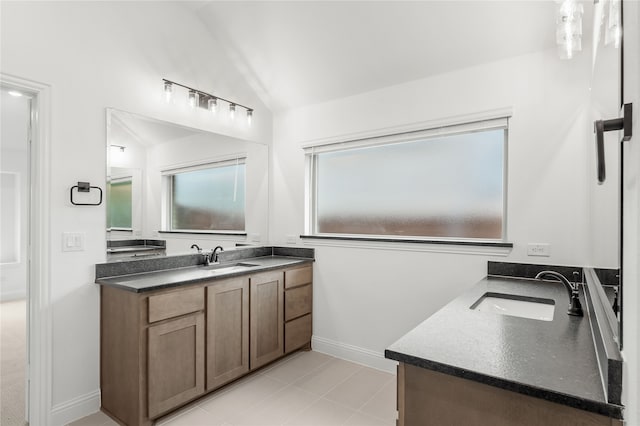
(296, 53)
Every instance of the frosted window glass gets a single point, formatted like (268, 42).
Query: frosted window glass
(209, 199)
(442, 187)
(119, 209)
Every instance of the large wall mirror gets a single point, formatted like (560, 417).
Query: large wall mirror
(183, 185)
(606, 207)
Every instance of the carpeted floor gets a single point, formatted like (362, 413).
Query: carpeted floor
(13, 331)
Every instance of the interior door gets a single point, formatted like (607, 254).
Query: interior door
(631, 215)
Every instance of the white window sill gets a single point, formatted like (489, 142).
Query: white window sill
(494, 248)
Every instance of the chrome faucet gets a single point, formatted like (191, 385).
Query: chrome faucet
(205, 255)
(575, 308)
(214, 253)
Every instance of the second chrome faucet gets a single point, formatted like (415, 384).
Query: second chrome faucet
(575, 308)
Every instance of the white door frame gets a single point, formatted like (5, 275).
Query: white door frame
(40, 325)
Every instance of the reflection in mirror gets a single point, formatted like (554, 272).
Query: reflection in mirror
(182, 185)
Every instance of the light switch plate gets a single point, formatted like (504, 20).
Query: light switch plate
(73, 241)
(539, 249)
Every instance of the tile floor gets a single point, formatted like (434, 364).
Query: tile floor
(304, 389)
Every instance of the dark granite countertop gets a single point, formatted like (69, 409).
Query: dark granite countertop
(553, 360)
(167, 278)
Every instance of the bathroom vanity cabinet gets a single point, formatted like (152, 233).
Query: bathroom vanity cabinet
(463, 366)
(163, 348)
(427, 397)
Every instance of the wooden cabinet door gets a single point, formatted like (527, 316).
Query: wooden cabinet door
(227, 331)
(267, 317)
(175, 362)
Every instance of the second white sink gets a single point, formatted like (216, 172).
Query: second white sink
(516, 306)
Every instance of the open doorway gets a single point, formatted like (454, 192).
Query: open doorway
(15, 128)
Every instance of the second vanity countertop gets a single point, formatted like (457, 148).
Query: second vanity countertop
(553, 360)
(167, 278)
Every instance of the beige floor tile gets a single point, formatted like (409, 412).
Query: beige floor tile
(195, 417)
(383, 404)
(360, 419)
(324, 390)
(232, 404)
(359, 388)
(95, 419)
(299, 366)
(322, 413)
(328, 376)
(279, 362)
(279, 408)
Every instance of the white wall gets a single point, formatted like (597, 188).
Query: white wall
(14, 160)
(367, 297)
(96, 55)
(631, 238)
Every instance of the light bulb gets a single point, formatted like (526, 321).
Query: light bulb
(249, 116)
(212, 104)
(193, 98)
(232, 111)
(168, 91)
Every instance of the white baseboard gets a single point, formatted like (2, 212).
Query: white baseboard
(76, 408)
(354, 354)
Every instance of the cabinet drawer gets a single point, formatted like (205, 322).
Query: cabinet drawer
(296, 277)
(174, 304)
(297, 302)
(297, 333)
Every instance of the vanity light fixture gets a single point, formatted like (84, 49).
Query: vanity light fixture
(198, 98)
(212, 105)
(613, 25)
(569, 28)
(168, 91)
(193, 98)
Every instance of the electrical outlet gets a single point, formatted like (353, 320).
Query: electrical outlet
(292, 239)
(538, 249)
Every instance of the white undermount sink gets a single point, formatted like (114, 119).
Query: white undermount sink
(225, 269)
(516, 306)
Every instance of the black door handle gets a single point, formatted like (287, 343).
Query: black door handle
(601, 126)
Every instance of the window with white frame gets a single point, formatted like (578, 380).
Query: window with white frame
(205, 198)
(447, 183)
